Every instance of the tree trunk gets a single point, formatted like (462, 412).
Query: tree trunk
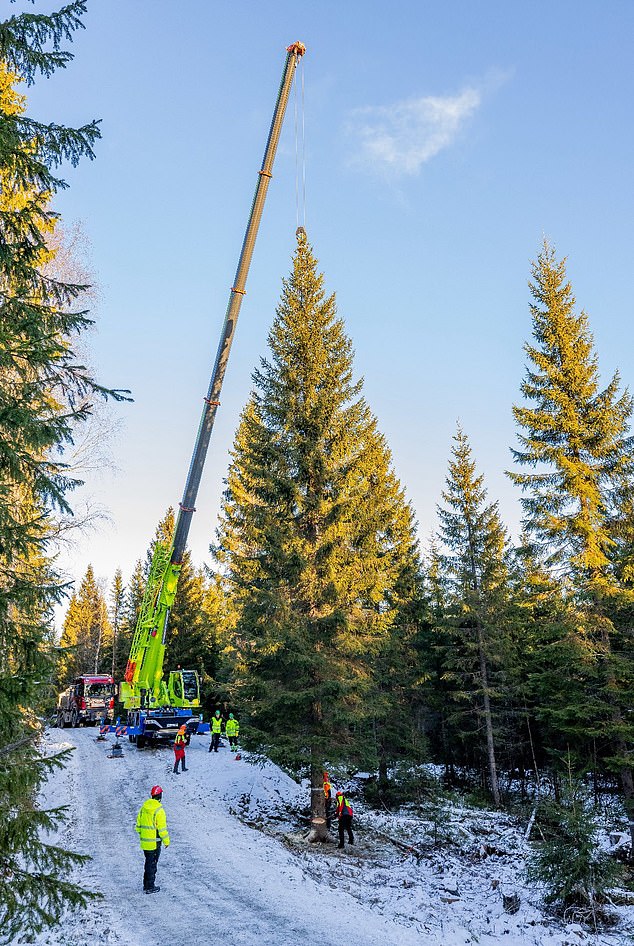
(624, 750)
(318, 827)
(627, 781)
(488, 719)
(488, 722)
(384, 781)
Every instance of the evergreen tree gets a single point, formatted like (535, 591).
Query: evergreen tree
(574, 436)
(191, 642)
(115, 614)
(316, 537)
(398, 730)
(551, 682)
(86, 632)
(130, 610)
(44, 394)
(569, 860)
(575, 440)
(476, 576)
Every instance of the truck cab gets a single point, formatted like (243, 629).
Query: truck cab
(89, 699)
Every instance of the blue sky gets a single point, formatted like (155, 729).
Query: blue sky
(443, 142)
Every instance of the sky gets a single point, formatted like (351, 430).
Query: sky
(428, 149)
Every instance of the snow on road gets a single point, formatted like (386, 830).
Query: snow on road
(219, 879)
(223, 881)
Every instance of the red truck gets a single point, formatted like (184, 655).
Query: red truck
(86, 701)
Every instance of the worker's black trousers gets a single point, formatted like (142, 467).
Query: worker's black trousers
(215, 741)
(345, 824)
(151, 863)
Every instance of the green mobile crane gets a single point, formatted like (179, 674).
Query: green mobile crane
(156, 707)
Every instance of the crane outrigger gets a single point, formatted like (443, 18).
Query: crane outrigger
(156, 707)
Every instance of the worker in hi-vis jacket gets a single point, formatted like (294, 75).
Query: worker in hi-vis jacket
(151, 826)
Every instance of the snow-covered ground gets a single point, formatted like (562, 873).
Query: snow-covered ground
(239, 873)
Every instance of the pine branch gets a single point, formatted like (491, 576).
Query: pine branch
(23, 38)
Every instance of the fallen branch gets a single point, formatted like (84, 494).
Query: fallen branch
(18, 745)
(531, 822)
(408, 848)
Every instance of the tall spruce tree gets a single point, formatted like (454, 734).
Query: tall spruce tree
(115, 614)
(435, 686)
(130, 610)
(575, 441)
(475, 571)
(44, 394)
(86, 632)
(316, 536)
(398, 731)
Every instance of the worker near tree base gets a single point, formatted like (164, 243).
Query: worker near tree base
(179, 748)
(328, 799)
(216, 729)
(344, 816)
(232, 731)
(151, 826)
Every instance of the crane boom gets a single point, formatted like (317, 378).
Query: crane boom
(144, 687)
(212, 400)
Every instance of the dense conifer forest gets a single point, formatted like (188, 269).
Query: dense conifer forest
(339, 638)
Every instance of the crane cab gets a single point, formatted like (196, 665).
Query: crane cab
(184, 688)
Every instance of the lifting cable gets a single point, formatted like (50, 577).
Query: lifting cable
(300, 149)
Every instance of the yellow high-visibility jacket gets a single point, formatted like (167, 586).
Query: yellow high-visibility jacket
(231, 727)
(216, 724)
(151, 824)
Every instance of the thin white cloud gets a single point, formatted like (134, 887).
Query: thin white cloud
(400, 138)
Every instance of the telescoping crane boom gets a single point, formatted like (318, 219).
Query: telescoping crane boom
(155, 707)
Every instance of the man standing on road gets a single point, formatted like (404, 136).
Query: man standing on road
(232, 731)
(216, 729)
(344, 814)
(151, 825)
(179, 748)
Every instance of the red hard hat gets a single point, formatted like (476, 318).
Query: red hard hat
(156, 790)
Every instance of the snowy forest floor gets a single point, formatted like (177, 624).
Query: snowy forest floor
(239, 870)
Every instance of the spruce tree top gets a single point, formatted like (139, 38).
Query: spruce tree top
(573, 436)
